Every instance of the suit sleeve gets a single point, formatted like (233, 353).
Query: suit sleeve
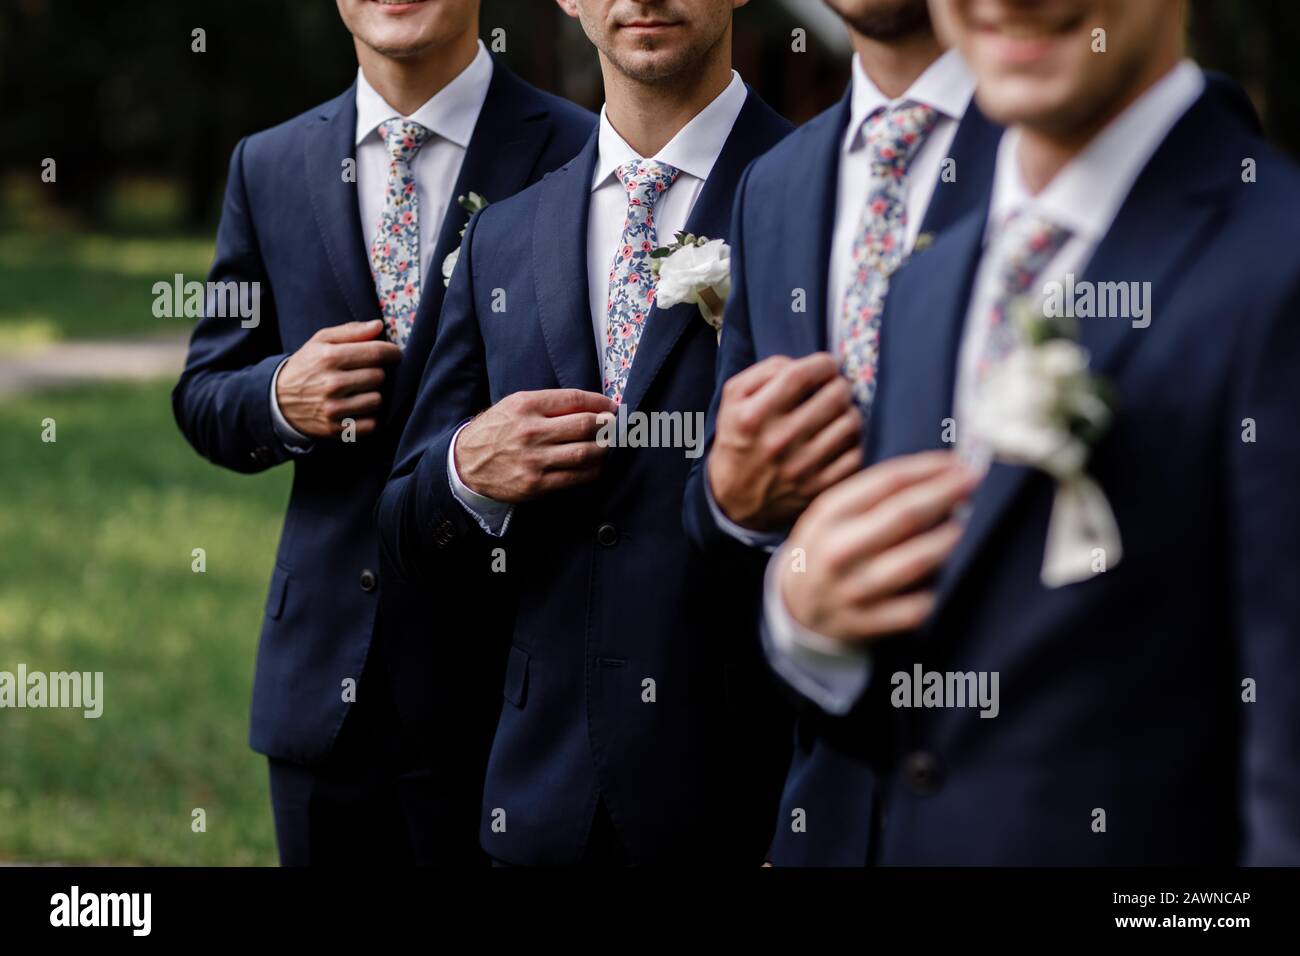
(418, 515)
(1264, 525)
(222, 401)
(700, 516)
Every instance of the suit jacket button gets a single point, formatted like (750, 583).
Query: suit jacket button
(922, 772)
(607, 535)
(368, 580)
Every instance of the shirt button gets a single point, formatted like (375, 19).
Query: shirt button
(369, 580)
(922, 772)
(607, 535)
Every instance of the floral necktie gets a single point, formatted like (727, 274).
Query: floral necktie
(631, 280)
(1024, 247)
(893, 138)
(395, 253)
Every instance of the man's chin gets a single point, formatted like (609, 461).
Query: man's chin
(650, 66)
(1022, 101)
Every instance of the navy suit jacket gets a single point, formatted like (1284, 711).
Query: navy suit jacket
(291, 223)
(609, 593)
(1124, 692)
(781, 242)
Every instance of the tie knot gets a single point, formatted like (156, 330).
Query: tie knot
(646, 180)
(403, 137)
(894, 134)
(1027, 244)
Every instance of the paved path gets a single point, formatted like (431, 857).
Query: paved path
(61, 364)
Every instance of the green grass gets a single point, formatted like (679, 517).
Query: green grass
(74, 285)
(96, 535)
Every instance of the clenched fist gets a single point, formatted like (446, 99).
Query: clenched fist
(533, 443)
(336, 375)
(870, 544)
(787, 430)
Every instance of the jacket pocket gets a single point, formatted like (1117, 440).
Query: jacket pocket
(275, 595)
(516, 685)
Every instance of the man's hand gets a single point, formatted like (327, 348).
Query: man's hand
(533, 443)
(336, 375)
(870, 542)
(787, 430)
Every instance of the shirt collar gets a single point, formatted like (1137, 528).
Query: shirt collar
(693, 150)
(1086, 195)
(451, 113)
(946, 86)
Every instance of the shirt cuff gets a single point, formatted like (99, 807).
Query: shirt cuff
(763, 540)
(293, 440)
(491, 515)
(823, 670)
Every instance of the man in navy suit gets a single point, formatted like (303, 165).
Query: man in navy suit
(1144, 708)
(899, 158)
(627, 732)
(340, 220)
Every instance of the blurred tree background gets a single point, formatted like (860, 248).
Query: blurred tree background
(115, 94)
(97, 529)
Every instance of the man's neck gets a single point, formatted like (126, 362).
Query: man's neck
(648, 115)
(407, 83)
(894, 65)
(1043, 152)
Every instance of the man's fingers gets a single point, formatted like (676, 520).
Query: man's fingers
(747, 381)
(897, 615)
(572, 456)
(807, 423)
(553, 402)
(363, 426)
(576, 426)
(912, 510)
(793, 383)
(351, 355)
(846, 465)
(355, 381)
(863, 492)
(350, 332)
(354, 406)
(906, 565)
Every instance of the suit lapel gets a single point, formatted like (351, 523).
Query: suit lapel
(502, 152)
(922, 351)
(973, 154)
(810, 216)
(560, 270)
(711, 217)
(327, 144)
(1165, 218)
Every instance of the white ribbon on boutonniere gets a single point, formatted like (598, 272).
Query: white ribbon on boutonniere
(694, 269)
(1042, 407)
(471, 204)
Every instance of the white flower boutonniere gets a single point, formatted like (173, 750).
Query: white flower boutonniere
(1042, 407)
(471, 204)
(694, 269)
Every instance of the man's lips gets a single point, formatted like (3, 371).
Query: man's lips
(1022, 42)
(649, 26)
(397, 6)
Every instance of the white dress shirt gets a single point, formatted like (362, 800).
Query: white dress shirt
(693, 151)
(451, 114)
(1085, 197)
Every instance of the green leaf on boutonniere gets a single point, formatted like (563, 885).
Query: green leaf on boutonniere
(472, 203)
(923, 242)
